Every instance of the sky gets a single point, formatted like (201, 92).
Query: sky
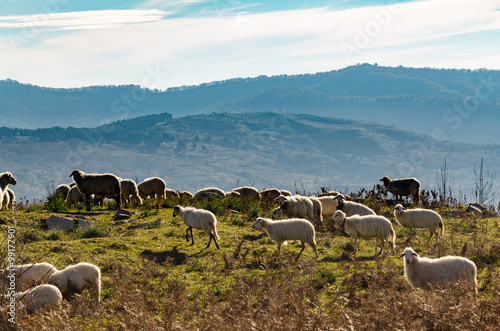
(160, 44)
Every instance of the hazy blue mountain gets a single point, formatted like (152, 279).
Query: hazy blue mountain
(290, 151)
(462, 105)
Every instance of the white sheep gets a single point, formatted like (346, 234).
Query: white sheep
(248, 192)
(77, 278)
(171, 194)
(419, 218)
(74, 196)
(296, 206)
(62, 190)
(199, 219)
(351, 208)
(423, 272)
(40, 296)
(208, 192)
(104, 185)
(367, 227)
(9, 199)
(129, 191)
(289, 229)
(328, 204)
(29, 275)
(185, 195)
(153, 187)
(6, 178)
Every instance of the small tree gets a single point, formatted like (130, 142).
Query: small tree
(483, 184)
(444, 183)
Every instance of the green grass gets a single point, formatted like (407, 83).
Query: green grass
(153, 278)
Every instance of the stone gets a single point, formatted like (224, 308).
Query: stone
(59, 222)
(84, 224)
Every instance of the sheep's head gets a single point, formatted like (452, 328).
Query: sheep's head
(386, 180)
(177, 210)
(259, 223)
(9, 179)
(338, 216)
(277, 213)
(409, 255)
(76, 174)
(399, 208)
(280, 199)
(339, 198)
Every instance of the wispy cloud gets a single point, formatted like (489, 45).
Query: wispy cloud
(115, 47)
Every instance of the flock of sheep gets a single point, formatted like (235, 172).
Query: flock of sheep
(305, 215)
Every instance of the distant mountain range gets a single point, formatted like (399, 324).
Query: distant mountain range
(263, 149)
(457, 105)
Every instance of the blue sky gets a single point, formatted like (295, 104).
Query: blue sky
(159, 44)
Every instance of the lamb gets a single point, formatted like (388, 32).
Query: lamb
(74, 196)
(367, 227)
(351, 208)
(268, 196)
(152, 187)
(420, 218)
(248, 192)
(62, 190)
(6, 178)
(39, 296)
(289, 229)
(403, 187)
(422, 272)
(129, 191)
(205, 193)
(105, 185)
(29, 275)
(77, 278)
(199, 219)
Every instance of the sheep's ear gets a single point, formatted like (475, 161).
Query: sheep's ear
(414, 254)
(402, 254)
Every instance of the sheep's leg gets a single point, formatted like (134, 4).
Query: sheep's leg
(430, 237)
(355, 244)
(210, 240)
(382, 242)
(192, 238)
(315, 250)
(303, 247)
(279, 249)
(87, 202)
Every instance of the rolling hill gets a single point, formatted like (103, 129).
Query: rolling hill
(291, 151)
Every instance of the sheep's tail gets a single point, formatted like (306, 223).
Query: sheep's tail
(214, 232)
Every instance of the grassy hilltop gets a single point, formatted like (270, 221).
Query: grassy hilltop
(152, 279)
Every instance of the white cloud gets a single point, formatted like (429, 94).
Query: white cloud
(200, 49)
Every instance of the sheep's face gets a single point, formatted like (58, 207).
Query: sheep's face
(338, 216)
(258, 224)
(399, 209)
(9, 178)
(409, 255)
(280, 199)
(339, 198)
(76, 174)
(277, 213)
(177, 210)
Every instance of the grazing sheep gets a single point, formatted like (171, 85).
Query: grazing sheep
(289, 229)
(185, 195)
(29, 275)
(6, 178)
(268, 196)
(367, 227)
(129, 191)
(75, 196)
(286, 193)
(105, 185)
(62, 190)
(77, 278)
(402, 187)
(351, 208)
(423, 272)
(171, 194)
(40, 296)
(152, 187)
(232, 195)
(199, 219)
(328, 204)
(205, 193)
(296, 206)
(420, 218)
(248, 192)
